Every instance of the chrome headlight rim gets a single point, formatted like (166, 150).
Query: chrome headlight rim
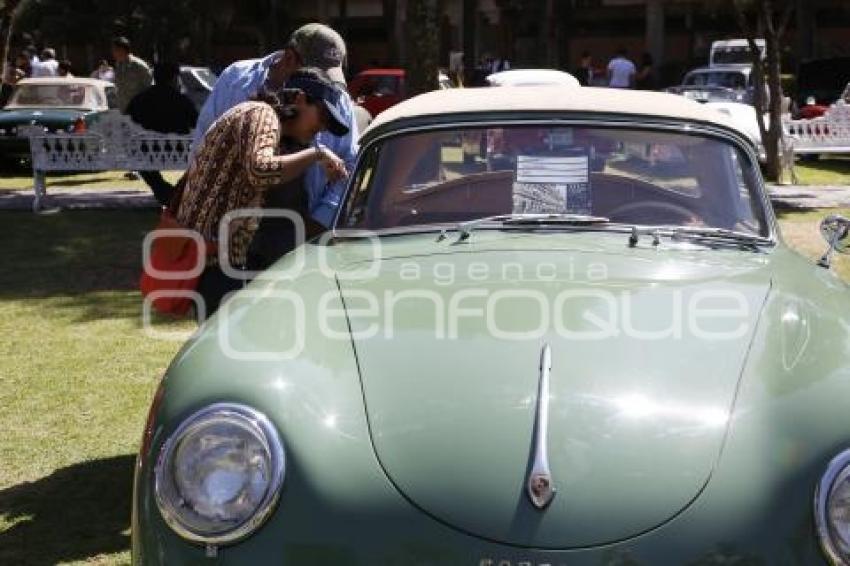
(838, 468)
(277, 457)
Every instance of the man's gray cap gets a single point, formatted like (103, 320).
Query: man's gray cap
(320, 46)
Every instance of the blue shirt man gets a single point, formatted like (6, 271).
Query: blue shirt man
(312, 45)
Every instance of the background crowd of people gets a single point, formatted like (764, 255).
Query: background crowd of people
(131, 74)
(621, 72)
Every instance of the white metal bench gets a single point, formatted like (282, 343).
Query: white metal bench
(829, 133)
(112, 142)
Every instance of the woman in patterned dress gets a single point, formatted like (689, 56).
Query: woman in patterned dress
(242, 156)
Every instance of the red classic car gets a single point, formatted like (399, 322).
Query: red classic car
(378, 89)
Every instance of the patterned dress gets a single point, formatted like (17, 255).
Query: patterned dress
(235, 164)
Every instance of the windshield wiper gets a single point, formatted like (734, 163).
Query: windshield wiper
(701, 233)
(466, 228)
(721, 234)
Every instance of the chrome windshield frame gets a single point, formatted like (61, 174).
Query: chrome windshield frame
(497, 120)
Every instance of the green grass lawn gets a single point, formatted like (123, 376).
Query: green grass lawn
(77, 373)
(800, 231)
(826, 171)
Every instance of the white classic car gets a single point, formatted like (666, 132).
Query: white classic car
(58, 104)
(532, 77)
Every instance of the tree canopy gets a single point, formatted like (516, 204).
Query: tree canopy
(159, 29)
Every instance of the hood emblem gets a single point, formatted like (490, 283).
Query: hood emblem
(539, 486)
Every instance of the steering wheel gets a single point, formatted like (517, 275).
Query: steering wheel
(649, 213)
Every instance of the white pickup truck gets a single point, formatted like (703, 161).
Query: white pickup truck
(733, 52)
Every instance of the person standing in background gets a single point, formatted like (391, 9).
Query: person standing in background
(645, 77)
(48, 66)
(64, 69)
(161, 108)
(496, 64)
(11, 76)
(132, 74)
(104, 72)
(584, 72)
(621, 71)
(31, 53)
(22, 62)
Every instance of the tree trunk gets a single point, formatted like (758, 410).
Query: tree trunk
(7, 15)
(545, 40)
(564, 33)
(774, 85)
(389, 8)
(761, 104)
(423, 51)
(470, 33)
(773, 28)
(274, 21)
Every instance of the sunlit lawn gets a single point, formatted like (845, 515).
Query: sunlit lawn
(77, 373)
(834, 170)
(800, 230)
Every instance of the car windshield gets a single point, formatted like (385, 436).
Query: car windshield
(380, 85)
(54, 95)
(731, 56)
(632, 176)
(723, 79)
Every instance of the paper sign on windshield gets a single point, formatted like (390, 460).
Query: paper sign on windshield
(552, 185)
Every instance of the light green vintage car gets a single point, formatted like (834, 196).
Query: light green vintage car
(552, 326)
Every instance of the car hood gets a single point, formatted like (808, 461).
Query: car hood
(646, 357)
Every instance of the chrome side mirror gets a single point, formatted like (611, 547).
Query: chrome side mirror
(836, 231)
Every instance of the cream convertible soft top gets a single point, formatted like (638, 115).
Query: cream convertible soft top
(550, 99)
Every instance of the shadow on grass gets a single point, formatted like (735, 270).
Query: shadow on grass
(785, 209)
(60, 181)
(15, 168)
(72, 252)
(86, 260)
(73, 514)
(830, 164)
(790, 212)
(87, 263)
(90, 307)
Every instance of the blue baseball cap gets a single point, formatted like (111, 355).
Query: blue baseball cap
(326, 93)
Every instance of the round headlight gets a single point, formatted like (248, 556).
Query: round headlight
(218, 476)
(832, 509)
